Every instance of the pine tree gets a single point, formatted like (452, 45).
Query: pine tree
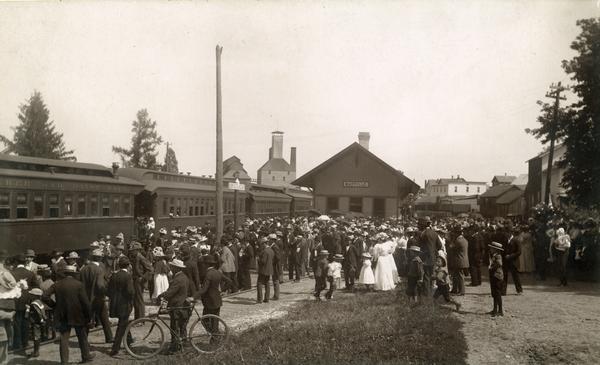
(36, 136)
(144, 143)
(170, 164)
(582, 132)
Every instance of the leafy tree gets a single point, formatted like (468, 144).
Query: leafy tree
(582, 131)
(170, 164)
(144, 143)
(36, 136)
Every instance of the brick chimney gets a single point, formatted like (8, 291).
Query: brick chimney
(293, 158)
(363, 139)
(277, 144)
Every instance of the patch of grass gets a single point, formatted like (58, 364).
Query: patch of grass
(374, 328)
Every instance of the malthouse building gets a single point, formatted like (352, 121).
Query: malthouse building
(355, 180)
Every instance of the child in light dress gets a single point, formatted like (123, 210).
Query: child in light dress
(334, 275)
(366, 278)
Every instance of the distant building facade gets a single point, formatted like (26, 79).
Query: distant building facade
(536, 184)
(277, 171)
(503, 180)
(234, 169)
(454, 187)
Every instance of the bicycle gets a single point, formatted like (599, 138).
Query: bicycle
(145, 337)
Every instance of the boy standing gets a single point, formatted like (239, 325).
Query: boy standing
(415, 274)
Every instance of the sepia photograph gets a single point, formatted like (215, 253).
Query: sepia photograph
(230, 182)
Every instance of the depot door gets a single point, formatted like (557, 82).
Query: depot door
(378, 207)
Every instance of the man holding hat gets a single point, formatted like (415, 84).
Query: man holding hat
(71, 310)
(93, 277)
(179, 290)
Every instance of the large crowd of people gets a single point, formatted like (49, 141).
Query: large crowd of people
(40, 301)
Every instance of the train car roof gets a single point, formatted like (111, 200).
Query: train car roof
(70, 177)
(153, 181)
(29, 163)
(44, 168)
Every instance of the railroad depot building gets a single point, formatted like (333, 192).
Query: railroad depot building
(356, 181)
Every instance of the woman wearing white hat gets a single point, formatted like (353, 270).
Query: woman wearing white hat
(161, 272)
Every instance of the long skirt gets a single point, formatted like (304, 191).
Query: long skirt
(385, 273)
(161, 284)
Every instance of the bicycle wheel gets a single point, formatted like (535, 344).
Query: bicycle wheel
(208, 333)
(144, 338)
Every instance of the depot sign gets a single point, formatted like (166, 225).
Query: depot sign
(356, 184)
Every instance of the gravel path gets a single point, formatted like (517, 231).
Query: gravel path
(239, 311)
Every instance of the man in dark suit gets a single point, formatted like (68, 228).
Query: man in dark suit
(141, 271)
(20, 322)
(430, 243)
(476, 252)
(121, 294)
(277, 265)
(246, 256)
(179, 290)
(350, 264)
(210, 292)
(71, 310)
(191, 267)
(265, 271)
(512, 251)
(458, 260)
(94, 279)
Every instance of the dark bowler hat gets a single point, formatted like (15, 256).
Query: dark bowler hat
(29, 253)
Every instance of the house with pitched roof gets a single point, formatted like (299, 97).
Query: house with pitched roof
(277, 171)
(357, 181)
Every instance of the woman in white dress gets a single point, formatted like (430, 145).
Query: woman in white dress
(526, 261)
(386, 273)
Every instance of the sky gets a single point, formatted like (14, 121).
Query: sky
(444, 87)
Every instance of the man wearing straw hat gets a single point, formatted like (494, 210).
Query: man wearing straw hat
(179, 290)
(93, 277)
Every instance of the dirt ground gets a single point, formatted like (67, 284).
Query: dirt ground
(548, 324)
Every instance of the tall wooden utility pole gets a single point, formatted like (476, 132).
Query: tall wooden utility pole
(555, 94)
(219, 173)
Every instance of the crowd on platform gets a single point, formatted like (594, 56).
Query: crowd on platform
(41, 301)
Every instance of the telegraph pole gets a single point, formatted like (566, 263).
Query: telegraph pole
(554, 94)
(219, 173)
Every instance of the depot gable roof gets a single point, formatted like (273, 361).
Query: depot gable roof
(308, 178)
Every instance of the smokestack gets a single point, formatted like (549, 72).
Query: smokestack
(270, 153)
(277, 144)
(293, 158)
(363, 139)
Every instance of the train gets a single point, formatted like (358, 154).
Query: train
(48, 204)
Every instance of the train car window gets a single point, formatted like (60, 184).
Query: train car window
(211, 205)
(191, 209)
(116, 206)
(93, 206)
(196, 210)
(68, 206)
(185, 206)
(81, 205)
(53, 209)
(4, 206)
(164, 207)
(126, 206)
(105, 207)
(38, 205)
(22, 207)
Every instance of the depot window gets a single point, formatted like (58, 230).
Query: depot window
(94, 206)
(105, 207)
(81, 205)
(22, 208)
(68, 206)
(116, 205)
(126, 206)
(53, 208)
(38, 205)
(4, 206)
